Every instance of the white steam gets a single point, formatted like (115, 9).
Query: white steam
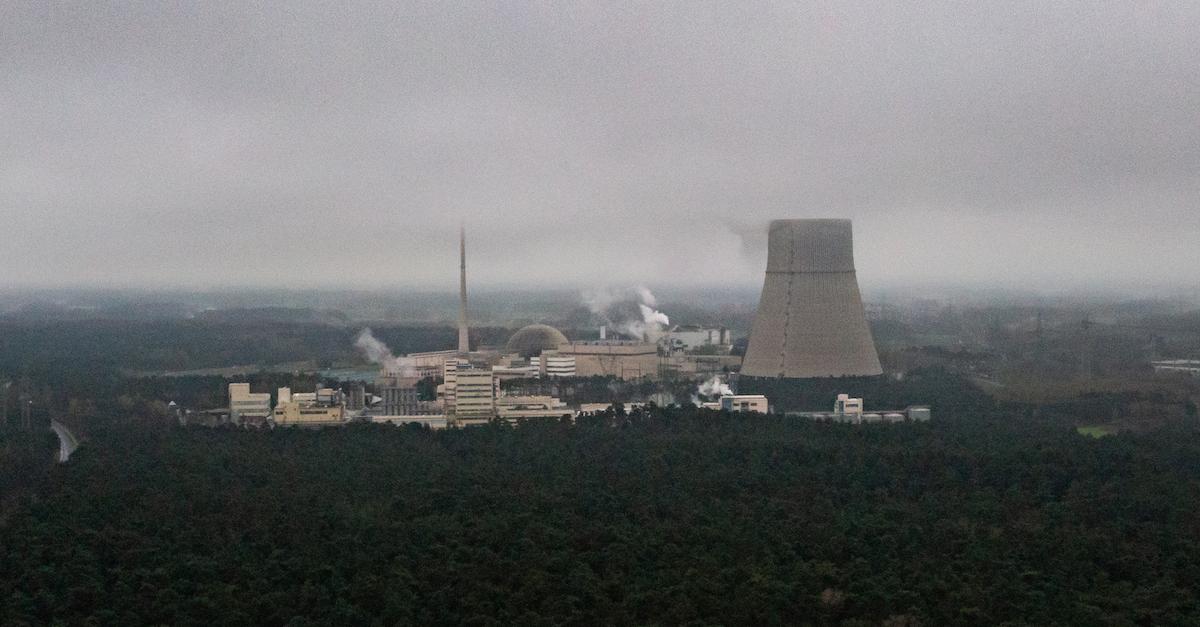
(649, 328)
(714, 387)
(654, 322)
(378, 353)
(599, 300)
(646, 296)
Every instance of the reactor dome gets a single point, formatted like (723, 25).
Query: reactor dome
(534, 339)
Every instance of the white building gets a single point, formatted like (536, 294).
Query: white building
(447, 388)
(556, 365)
(469, 394)
(1185, 366)
(508, 373)
(515, 408)
(691, 337)
(324, 407)
(433, 422)
(745, 402)
(432, 363)
(245, 406)
(849, 408)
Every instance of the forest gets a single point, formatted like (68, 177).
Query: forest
(61, 351)
(998, 511)
(665, 517)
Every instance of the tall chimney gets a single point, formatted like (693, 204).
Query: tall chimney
(810, 320)
(464, 344)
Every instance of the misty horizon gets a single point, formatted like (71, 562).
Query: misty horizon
(1014, 146)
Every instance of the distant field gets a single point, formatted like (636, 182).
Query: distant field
(1096, 431)
(229, 371)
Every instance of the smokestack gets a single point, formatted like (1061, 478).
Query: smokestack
(464, 344)
(810, 320)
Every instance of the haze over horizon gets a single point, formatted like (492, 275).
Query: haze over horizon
(1011, 144)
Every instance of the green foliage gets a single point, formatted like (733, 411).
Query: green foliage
(1095, 431)
(946, 393)
(24, 458)
(64, 352)
(685, 516)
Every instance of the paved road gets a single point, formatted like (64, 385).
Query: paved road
(67, 442)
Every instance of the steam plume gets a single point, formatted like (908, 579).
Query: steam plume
(378, 353)
(715, 387)
(604, 303)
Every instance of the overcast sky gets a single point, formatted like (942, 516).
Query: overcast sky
(305, 143)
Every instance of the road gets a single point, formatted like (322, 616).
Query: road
(67, 442)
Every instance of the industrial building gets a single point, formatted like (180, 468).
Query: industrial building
(246, 407)
(324, 407)
(700, 365)
(437, 421)
(400, 398)
(515, 371)
(845, 405)
(624, 359)
(469, 393)
(554, 364)
(471, 396)
(429, 364)
(745, 402)
(628, 360)
(514, 409)
(1180, 366)
(810, 320)
(851, 410)
(475, 395)
(445, 391)
(739, 403)
(695, 337)
(532, 340)
(403, 399)
(357, 399)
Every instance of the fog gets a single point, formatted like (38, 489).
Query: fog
(311, 144)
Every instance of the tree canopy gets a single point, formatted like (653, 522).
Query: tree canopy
(675, 516)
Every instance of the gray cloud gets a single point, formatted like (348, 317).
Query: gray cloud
(204, 144)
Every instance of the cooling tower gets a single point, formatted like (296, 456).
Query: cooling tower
(810, 320)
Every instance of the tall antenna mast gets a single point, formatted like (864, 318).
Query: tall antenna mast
(464, 344)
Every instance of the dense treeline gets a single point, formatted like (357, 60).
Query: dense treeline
(24, 459)
(62, 350)
(944, 391)
(685, 516)
(76, 367)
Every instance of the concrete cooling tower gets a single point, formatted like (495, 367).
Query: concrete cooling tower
(810, 320)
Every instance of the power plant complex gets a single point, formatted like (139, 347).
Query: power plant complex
(810, 323)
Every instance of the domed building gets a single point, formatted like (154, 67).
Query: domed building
(534, 339)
